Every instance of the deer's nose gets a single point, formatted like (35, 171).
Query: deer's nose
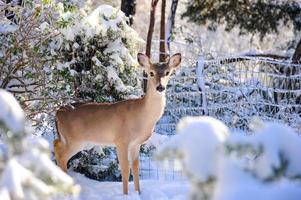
(160, 88)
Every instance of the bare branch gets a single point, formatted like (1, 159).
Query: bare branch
(171, 22)
(149, 37)
(151, 27)
(163, 53)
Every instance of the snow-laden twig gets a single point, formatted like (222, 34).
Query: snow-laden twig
(201, 82)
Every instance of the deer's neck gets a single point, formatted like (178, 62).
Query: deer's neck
(154, 101)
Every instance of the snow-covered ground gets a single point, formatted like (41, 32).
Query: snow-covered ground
(150, 189)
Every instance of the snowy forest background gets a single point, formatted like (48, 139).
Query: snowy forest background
(240, 65)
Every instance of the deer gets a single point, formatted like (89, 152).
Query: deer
(125, 124)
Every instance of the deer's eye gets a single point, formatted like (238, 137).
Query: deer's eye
(151, 74)
(167, 73)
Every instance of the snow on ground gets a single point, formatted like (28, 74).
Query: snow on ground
(150, 189)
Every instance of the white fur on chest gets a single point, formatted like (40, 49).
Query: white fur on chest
(157, 108)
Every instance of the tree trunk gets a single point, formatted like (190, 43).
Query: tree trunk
(163, 53)
(149, 37)
(171, 22)
(151, 27)
(297, 54)
(296, 70)
(129, 9)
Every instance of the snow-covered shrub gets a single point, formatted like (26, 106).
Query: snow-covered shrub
(263, 165)
(275, 146)
(99, 54)
(25, 166)
(102, 166)
(197, 146)
(25, 55)
(25, 51)
(223, 166)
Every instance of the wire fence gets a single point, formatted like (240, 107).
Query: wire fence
(234, 90)
(170, 170)
(237, 89)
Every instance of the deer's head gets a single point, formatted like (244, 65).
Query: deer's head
(159, 73)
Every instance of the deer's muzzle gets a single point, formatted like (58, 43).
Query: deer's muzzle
(160, 88)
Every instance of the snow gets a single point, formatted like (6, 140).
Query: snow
(62, 66)
(105, 12)
(32, 173)
(44, 26)
(4, 194)
(97, 62)
(99, 21)
(111, 50)
(14, 176)
(8, 28)
(196, 144)
(236, 184)
(150, 190)
(11, 113)
(156, 140)
(277, 142)
(115, 80)
(224, 165)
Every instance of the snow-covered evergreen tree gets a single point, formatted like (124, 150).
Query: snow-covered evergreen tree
(98, 53)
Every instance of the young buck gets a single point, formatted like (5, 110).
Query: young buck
(125, 124)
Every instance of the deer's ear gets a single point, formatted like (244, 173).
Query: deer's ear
(175, 61)
(143, 60)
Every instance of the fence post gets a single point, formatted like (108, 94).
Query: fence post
(201, 82)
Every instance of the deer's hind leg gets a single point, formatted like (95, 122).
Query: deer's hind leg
(60, 157)
(63, 153)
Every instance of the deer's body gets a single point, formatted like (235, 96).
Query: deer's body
(137, 116)
(126, 125)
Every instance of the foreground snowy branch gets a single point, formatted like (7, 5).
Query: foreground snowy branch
(224, 166)
(26, 169)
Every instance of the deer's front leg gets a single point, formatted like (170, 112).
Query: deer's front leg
(134, 151)
(122, 153)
